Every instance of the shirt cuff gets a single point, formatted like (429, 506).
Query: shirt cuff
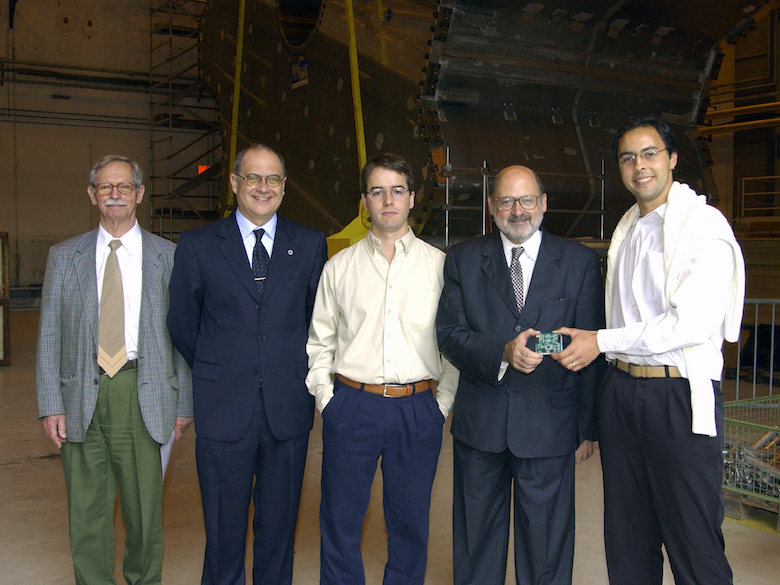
(502, 370)
(322, 396)
(607, 340)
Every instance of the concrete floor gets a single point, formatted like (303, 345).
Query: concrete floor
(34, 545)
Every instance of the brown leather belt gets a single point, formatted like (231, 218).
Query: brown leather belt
(648, 371)
(129, 365)
(393, 390)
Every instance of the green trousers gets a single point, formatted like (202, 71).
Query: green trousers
(117, 453)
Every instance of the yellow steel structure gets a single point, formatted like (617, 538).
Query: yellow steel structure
(236, 97)
(357, 228)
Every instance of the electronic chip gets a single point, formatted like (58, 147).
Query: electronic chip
(547, 343)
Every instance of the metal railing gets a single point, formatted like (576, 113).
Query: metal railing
(751, 448)
(598, 189)
(759, 199)
(757, 362)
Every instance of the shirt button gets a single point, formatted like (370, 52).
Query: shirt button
(518, 328)
(261, 337)
(255, 372)
(95, 382)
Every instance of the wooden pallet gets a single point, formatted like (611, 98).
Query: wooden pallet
(742, 507)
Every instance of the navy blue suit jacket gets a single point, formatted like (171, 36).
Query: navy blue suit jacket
(232, 341)
(550, 411)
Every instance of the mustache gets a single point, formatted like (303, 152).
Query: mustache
(115, 203)
(519, 218)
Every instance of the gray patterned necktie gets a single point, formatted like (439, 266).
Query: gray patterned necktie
(260, 261)
(112, 354)
(516, 272)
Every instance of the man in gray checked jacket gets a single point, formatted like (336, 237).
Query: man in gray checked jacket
(111, 387)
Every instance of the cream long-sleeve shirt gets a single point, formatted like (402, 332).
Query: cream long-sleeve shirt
(374, 320)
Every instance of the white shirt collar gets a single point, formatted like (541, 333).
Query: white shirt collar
(246, 227)
(530, 246)
(660, 211)
(131, 241)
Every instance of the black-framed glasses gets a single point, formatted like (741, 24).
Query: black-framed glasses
(107, 188)
(253, 180)
(379, 193)
(646, 155)
(527, 202)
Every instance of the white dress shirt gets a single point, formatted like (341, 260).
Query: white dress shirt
(645, 330)
(702, 285)
(247, 229)
(130, 258)
(374, 321)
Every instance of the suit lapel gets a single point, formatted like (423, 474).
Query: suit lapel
(151, 271)
(84, 264)
(234, 253)
(546, 271)
(282, 257)
(497, 271)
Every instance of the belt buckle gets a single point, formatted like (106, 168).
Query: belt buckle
(386, 386)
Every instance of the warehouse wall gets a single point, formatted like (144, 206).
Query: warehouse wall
(48, 144)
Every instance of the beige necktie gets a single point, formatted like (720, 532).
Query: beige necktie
(111, 332)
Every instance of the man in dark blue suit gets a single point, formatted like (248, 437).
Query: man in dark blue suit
(242, 292)
(520, 420)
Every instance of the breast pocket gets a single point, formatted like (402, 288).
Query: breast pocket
(553, 314)
(420, 311)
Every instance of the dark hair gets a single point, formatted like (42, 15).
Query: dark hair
(663, 129)
(538, 182)
(256, 146)
(135, 169)
(391, 162)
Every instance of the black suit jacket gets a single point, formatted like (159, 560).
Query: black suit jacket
(232, 341)
(550, 411)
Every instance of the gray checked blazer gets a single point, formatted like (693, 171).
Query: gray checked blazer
(66, 367)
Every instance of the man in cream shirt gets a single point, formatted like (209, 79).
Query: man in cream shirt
(373, 327)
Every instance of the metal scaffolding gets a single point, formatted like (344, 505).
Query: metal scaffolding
(185, 140)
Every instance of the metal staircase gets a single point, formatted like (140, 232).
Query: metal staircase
(185, 140)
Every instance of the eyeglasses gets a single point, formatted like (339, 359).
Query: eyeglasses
(107, 188)
(645, 155)
(508, 203)
(379, 193)
(253, 180)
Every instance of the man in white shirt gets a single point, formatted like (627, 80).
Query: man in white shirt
(674, 292)
(373, 328)
(111, 388)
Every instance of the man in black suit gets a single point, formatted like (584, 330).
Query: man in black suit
(519, 419)
(242, 292)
